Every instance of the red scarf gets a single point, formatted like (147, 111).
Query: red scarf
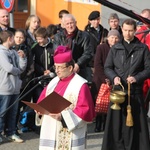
(70, 37)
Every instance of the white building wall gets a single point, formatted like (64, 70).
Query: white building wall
(135, 5)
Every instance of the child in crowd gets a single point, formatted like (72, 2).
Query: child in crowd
(43, 58)
(12, 64)
(51, 30)
(43, 62)
(33, 22)
(20, 44)
(26, 76)
(19, 39)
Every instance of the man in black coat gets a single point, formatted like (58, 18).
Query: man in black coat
(78, 41)
(128, 63)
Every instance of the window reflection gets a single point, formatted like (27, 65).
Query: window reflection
(23, 5)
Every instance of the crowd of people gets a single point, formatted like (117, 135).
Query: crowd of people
(76, 59)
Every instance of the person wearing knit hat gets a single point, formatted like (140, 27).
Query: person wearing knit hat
(113, 37)
(71, 122)
(114, 32)
(99, 76)
(114, 21)
(113, 16)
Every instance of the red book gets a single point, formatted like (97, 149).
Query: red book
(53, 103)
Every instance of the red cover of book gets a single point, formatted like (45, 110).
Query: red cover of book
(53, 103)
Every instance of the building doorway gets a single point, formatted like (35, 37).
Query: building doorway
(21, 13)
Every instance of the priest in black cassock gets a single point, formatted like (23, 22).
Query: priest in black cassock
(128, 62)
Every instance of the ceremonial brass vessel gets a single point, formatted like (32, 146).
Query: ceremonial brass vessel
(117, 97)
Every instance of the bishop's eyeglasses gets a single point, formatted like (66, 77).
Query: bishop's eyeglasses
(59, 67)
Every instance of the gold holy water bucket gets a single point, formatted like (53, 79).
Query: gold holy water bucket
(117, 97)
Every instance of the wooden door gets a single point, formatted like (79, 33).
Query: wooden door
(21, 13)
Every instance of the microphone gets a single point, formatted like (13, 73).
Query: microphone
(50, 76)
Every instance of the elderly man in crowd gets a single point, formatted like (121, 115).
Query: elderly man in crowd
(78, 41)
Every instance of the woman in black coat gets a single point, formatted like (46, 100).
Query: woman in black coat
(99, 75)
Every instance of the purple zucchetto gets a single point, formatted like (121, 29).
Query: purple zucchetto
(62, 54)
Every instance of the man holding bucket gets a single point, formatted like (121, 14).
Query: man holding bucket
(128, 64)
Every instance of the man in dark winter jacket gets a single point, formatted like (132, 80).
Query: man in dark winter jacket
(78, 41)
(128, 63)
